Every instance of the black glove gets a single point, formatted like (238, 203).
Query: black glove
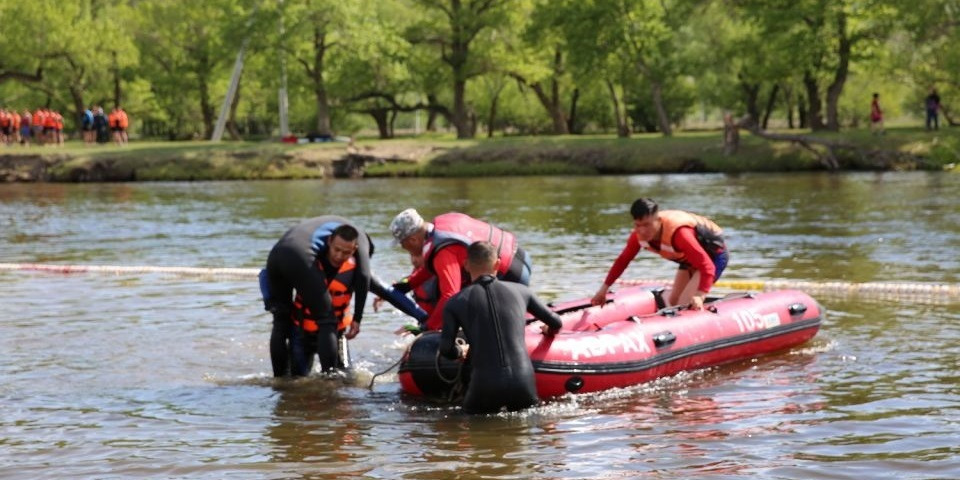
(403, 286)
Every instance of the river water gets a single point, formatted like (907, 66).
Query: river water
(153, 376)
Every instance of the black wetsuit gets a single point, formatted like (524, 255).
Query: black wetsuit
(491, 313)
(292, 265)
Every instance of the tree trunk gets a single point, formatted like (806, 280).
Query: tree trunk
(572, 118)
(731, 135)
(551, 103)
(380, 116)
(623, 129)
(813, 115)
(117, 89)
(788, 103)
(492, 114)
(319, 86)
(771, 102)
(662, 117)
(461, 119)
(206, 107)
(76, 94)
(232, 119)
(751, 92)
(801, 113)
(431, 113)
(840, 75)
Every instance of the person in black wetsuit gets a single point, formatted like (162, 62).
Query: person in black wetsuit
(326, 262)
(307, 260)
(491, 313)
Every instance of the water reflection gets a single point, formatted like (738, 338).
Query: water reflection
(314, 424)
(156, 377)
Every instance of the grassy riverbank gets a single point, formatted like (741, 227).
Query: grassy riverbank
(901, 148)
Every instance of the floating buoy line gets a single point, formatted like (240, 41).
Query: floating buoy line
(942, 291)
(134, 269)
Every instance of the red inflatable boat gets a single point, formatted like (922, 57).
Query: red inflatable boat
(633, 339)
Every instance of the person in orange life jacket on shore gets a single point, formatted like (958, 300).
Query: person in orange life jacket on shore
(492, 315)
(693, 241)
(326, 262)
(443, 245)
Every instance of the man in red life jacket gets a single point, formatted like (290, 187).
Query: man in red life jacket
(443, 245)
(693, 241)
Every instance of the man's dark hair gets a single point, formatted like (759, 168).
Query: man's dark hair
(346, 232)
(481, 253)
(643, 207)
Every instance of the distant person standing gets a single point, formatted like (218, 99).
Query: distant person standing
(933, 108)
(114, 120)
(124, 124)
(26, 126)
(876, 115)
(100, 125)
(86, 126)
(39, 120)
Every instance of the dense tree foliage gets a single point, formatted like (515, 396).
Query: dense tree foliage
(472, 66)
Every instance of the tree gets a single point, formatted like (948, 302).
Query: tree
(188, 48)
(823, 37)
(619, 39)
(376, 79)
(543, 66)
(452, 26)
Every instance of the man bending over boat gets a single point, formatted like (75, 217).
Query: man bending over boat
(693, 241)
(326, 262)
(443, 246)
(492, 316)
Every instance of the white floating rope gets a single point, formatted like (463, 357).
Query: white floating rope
(134, 269)
(869, 289)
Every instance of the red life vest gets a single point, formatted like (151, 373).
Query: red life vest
(709, 235)
(452, 228)
(427, 294)
(341, 291)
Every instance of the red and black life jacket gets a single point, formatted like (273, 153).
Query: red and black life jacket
(709, 235)
(341, 292)
(457, 228)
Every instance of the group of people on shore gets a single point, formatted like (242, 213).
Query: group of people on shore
(469, 276)
(44, 126)
(931, 105)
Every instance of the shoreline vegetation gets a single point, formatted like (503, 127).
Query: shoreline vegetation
(443, 156)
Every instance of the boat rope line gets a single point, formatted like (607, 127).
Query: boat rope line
(867, 289)
(233, 273)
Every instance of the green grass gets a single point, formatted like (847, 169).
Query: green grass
(443, 155)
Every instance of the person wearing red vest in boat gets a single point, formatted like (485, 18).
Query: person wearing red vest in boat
(492, 314)
(443, 245)
(693, 241)
(312, 274)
